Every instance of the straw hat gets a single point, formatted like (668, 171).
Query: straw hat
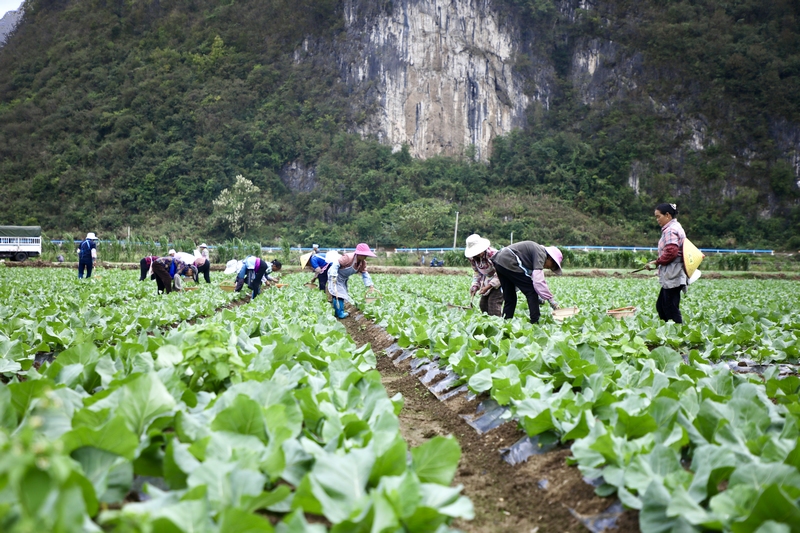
(363, 249)
(304, 259)
(476, 245)
(556, 255)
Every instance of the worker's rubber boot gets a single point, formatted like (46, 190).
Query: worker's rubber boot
(338, 307)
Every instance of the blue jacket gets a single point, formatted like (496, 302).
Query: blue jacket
(85, 250)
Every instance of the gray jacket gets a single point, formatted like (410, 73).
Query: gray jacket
(532, 256)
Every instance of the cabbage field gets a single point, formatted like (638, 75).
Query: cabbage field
(122, 410)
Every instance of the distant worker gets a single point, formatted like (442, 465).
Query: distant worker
(171, 252)
(484, 280)
(204, 267)
(167, 272)
(521, 266)
(315, 249)
(191, 259)
(319, 265)
(87, 255)
(256, 271)
(671, 274)
(341, 270)
(144, 266)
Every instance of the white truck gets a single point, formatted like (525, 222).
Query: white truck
(20, 242)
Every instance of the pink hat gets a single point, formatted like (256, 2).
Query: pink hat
(556, 255)
(363, 249)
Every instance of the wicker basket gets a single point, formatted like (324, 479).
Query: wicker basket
(229, 288)
(190, 288)
(622, 312)
(565, 312)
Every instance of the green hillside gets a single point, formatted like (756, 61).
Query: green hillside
(117, 114)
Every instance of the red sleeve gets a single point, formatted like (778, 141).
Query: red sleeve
(671, 251)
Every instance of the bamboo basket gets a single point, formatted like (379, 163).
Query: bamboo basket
(565, 312)
(622, 312)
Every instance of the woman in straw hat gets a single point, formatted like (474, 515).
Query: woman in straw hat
(521, 266)
(669, 263)
(341, 270)
(484, 279)
(317, 263)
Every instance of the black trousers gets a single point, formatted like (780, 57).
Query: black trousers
(668, 304)
(163, 280)
(510, 282)
(204, 269)
(144, 267)
(323, 280)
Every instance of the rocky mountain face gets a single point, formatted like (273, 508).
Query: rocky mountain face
(446, 75)
(8, 22)
(438, 75)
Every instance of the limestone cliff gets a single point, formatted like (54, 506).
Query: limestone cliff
(8, 22)
(437, 75)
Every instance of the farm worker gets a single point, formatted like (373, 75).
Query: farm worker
(190, 259)
(172, 252)
(256, 271)
(87, 255)
(167, 272)
(144, 266)
(317, 263)
(670, 263)
(521, 265)
(484, 279)
(314, 249)
(341, 270)
(204, 267)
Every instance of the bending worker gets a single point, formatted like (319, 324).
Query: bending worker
(254, 272)
(340, 271)
(317, 263)
(520, 266)
(484, 280)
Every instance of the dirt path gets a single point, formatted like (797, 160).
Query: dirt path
(541, 495)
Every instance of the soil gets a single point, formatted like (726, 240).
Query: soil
(427, 271)
(540, 495)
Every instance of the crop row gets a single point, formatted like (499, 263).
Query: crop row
(651, 410)
(261, 417)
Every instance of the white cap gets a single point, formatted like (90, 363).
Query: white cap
(233, 266)
(203, 245)
(172, 251)
(91, 236)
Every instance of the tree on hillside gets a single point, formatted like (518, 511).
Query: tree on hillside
(421, 220)
(242, 206)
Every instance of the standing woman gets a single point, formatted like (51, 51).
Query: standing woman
(670, 264)
(484, 280)
(340, 271)
(87, 255)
